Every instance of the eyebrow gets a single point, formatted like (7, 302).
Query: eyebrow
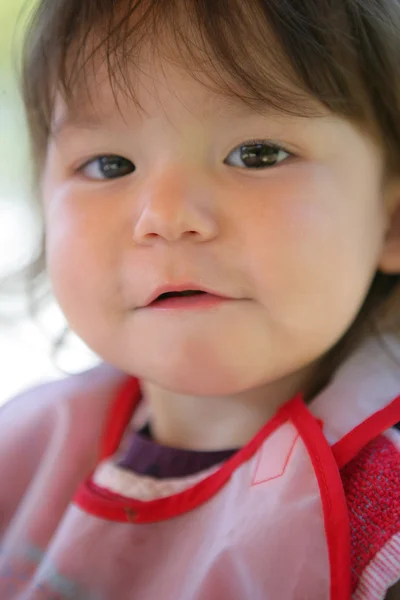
(89, 121)
(83, 120)
(76, 120)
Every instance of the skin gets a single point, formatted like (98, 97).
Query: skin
(294, 245)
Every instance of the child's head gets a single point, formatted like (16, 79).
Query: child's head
(248, 147)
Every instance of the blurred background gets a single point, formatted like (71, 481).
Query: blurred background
(25, 344)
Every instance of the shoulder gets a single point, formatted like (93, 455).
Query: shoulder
(32, 410)
(371, 483)
(30, 421)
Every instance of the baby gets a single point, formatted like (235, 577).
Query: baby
(220, 187)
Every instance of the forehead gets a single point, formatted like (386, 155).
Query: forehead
(179, 65)
(162, 88)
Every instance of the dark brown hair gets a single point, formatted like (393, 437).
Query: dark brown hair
(345, 54)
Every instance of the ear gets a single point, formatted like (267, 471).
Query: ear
(389, 262)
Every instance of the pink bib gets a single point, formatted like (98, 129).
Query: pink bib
(270, 523)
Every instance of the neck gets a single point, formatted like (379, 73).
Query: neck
(219, 422)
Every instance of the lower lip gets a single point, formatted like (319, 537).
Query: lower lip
(202, 301)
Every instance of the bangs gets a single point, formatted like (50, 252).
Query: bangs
(257, 52)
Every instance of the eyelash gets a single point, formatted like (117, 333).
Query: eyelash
(271, 145)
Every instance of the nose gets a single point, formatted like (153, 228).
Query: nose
(175, 206)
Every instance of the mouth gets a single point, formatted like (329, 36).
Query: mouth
(183, 294)
(175, 299)
(184, 298)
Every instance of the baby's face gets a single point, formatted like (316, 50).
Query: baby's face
(291, 238)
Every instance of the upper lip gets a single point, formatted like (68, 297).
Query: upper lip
(179, 287)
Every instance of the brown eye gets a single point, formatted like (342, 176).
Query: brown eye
(256, 155)
(107, 167)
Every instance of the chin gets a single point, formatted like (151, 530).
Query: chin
(196, 380)
(197, 387)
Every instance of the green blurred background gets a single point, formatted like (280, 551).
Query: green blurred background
(12, 140)
(9, 12)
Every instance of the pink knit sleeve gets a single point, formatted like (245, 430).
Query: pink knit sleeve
(372, 486)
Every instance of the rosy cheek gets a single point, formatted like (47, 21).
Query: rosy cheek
(66, 233)
(290, 229)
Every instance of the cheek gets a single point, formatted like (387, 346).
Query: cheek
(79, 256)
(310, 236)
